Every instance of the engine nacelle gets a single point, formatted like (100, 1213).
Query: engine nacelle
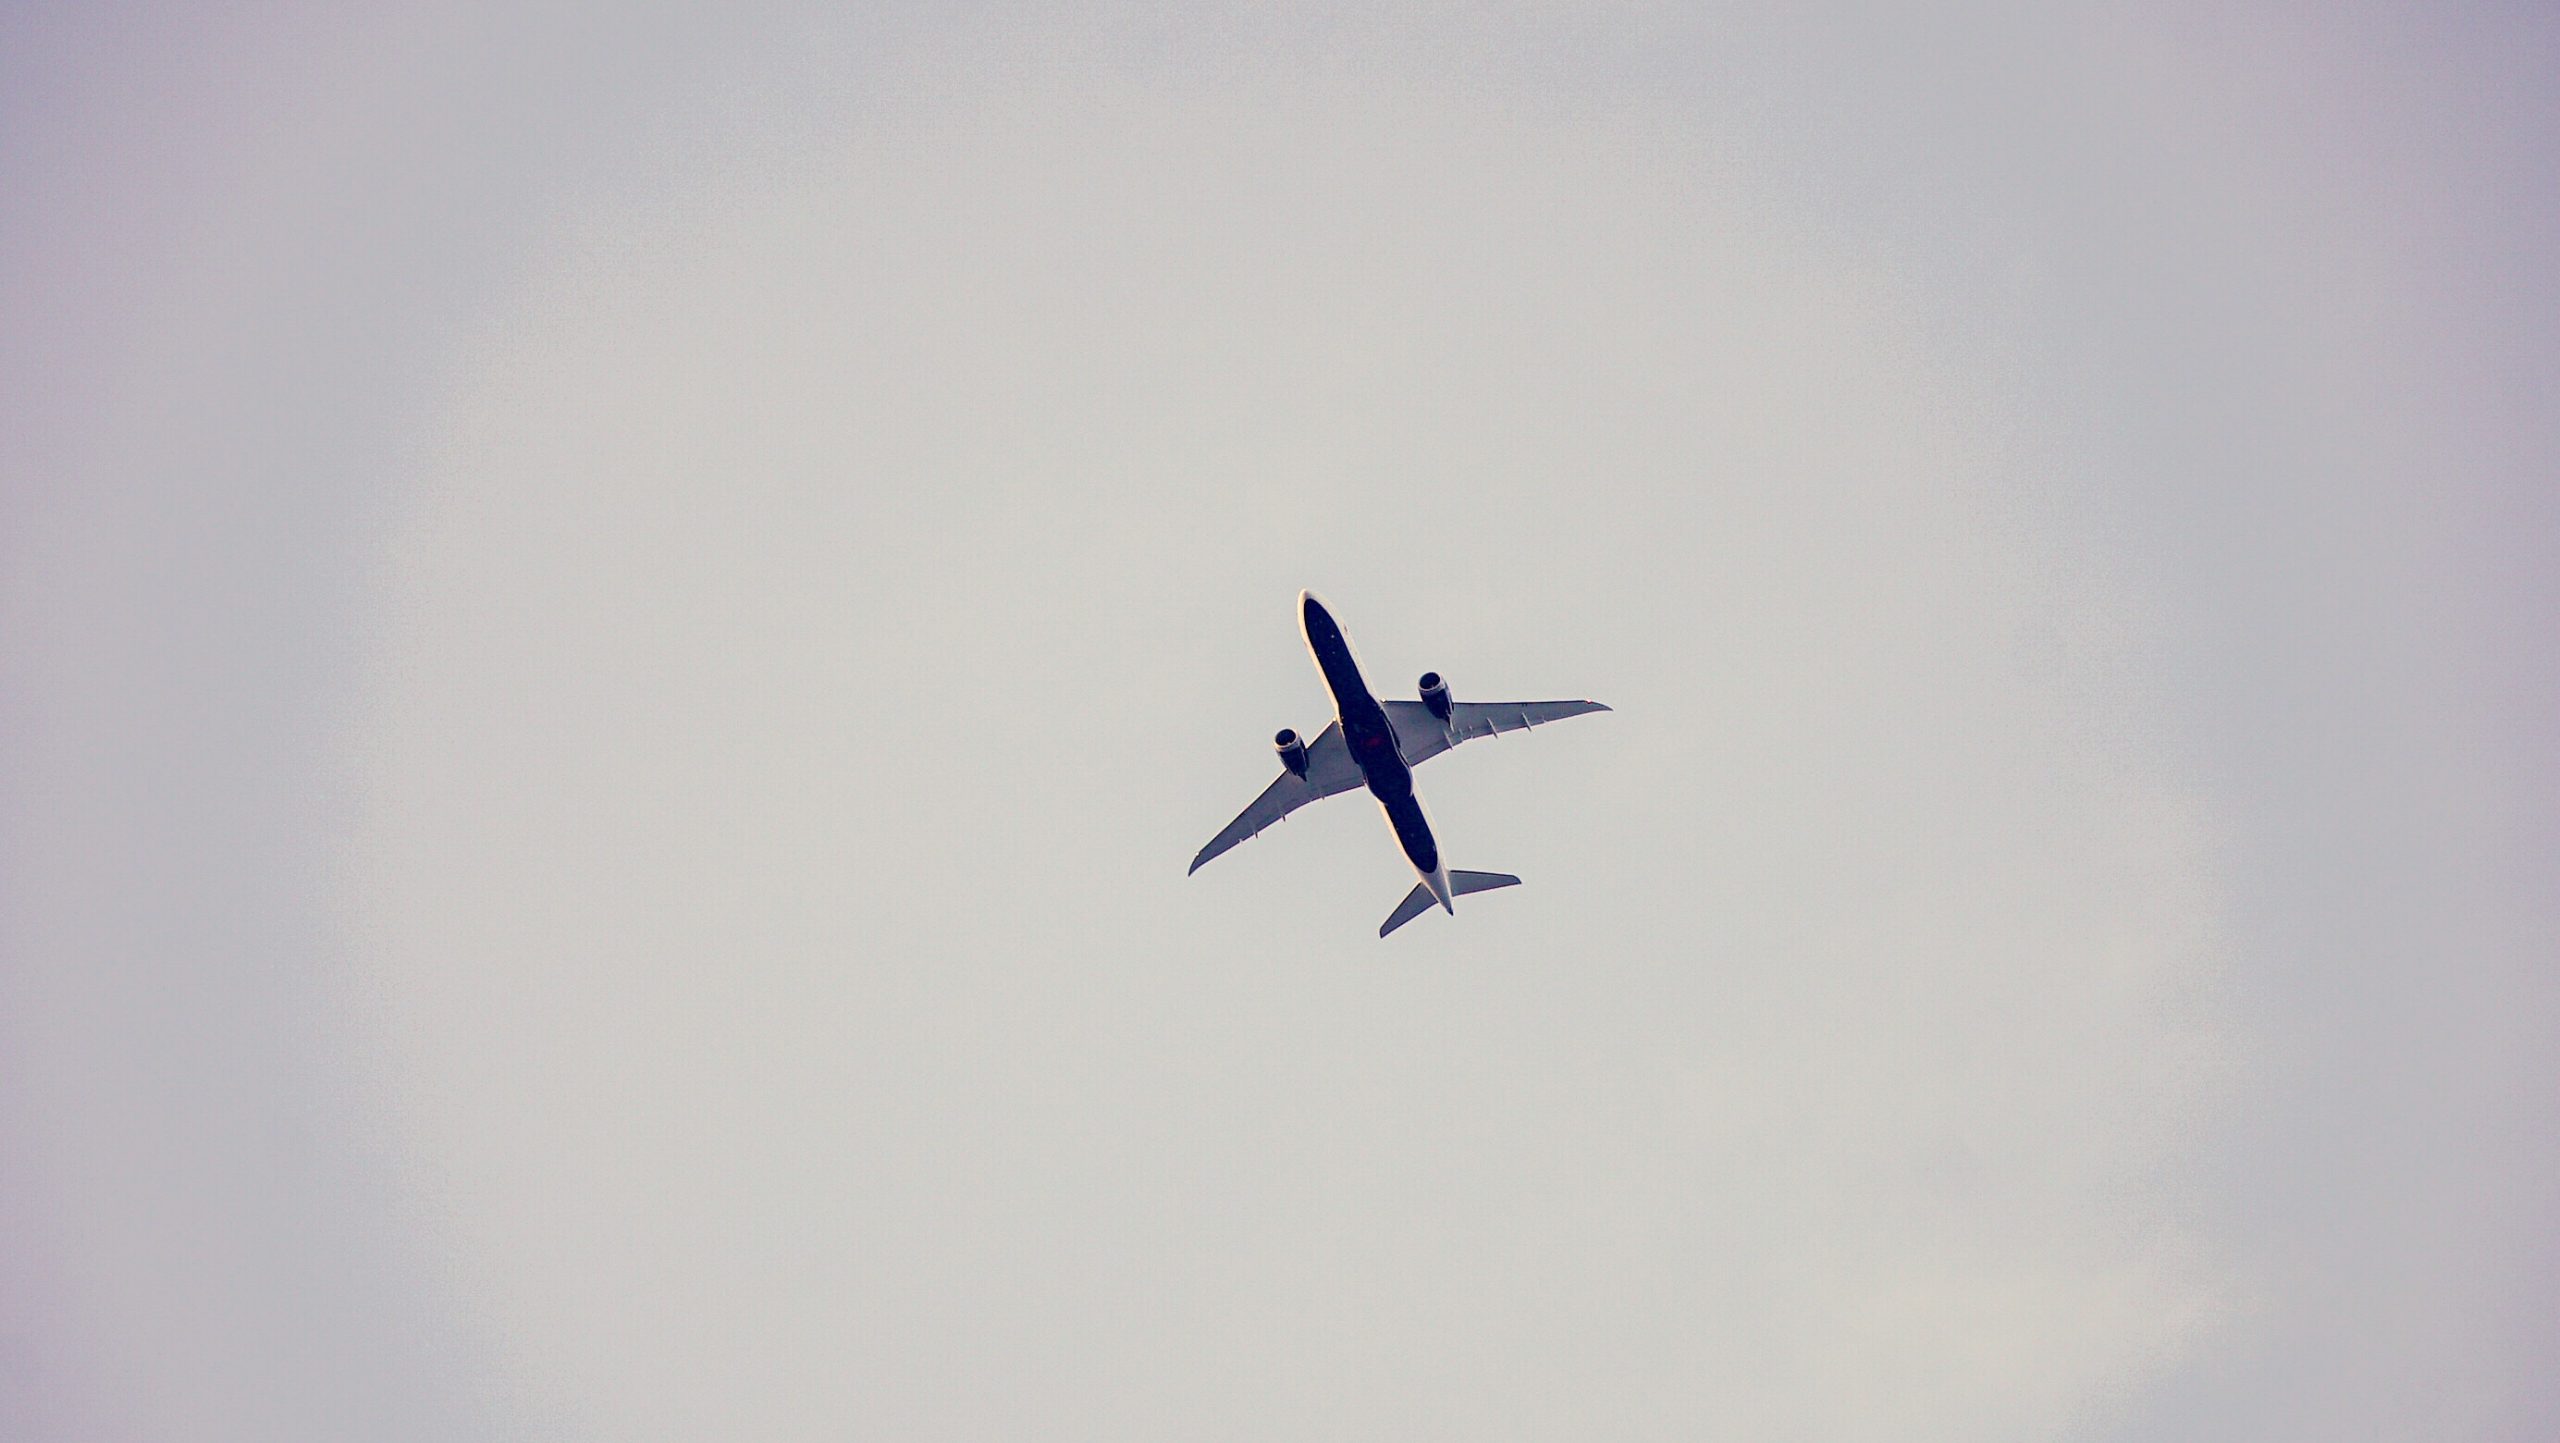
(1293, 752)
(1435, 694)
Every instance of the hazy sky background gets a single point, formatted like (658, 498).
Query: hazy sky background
(617, 630)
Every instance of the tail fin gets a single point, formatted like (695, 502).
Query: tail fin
(1420, 900)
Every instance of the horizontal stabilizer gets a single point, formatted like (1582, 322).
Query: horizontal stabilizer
(1415, 903)
(1420, 900)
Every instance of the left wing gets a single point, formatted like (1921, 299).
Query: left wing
(1330, 769)
(1421, 736)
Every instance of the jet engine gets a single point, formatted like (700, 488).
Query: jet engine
(1435, 694)
(1293, 752)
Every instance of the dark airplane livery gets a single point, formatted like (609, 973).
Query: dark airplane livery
(1378, 744)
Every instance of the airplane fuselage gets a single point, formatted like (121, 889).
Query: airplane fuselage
(1372, 743)
(1377, 744)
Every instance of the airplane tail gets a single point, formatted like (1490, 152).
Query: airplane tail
(1420, 900)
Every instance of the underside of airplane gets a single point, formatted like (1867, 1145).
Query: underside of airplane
(1377, 745)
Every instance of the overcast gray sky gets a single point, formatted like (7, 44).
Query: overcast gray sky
(618, 630)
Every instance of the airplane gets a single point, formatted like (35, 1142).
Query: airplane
(1378, 744)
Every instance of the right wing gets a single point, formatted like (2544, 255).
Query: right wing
(1329, 770)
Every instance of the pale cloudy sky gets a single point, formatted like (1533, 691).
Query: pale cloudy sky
(618, 630)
